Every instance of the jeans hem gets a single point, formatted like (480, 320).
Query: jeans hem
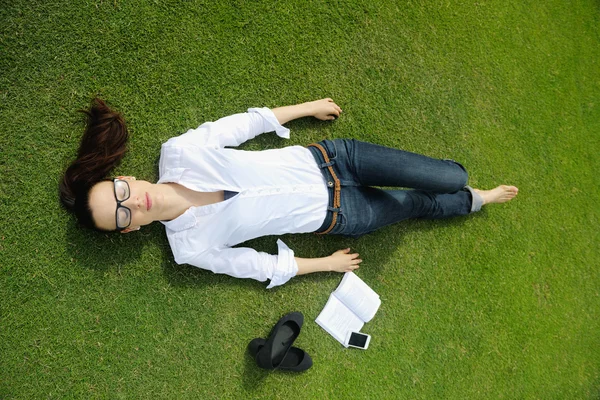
(477, 200)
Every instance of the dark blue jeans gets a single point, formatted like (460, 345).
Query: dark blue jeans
(438, 186)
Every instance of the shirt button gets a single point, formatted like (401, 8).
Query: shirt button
(330, 184)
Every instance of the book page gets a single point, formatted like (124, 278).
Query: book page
(338, 320)
(358, 296)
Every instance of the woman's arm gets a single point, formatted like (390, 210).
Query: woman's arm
(340, 261)
(324, 109)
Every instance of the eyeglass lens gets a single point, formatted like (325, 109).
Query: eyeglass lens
(122, 194)
(121, 190)
(123, 217)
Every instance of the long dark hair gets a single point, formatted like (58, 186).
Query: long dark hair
(102, 147)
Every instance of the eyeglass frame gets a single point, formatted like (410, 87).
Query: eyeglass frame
(120, 205)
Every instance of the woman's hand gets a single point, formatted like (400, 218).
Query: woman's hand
(324, 109)
(343, 261)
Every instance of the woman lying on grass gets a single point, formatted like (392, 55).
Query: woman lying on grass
(211, 198)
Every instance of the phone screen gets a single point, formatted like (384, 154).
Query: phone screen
(357, 339)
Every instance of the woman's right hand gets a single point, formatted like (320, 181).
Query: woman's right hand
(324, 109)
(343, 261)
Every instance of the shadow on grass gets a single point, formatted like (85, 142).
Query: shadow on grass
(253, 376)
(375, 249)
(101, 251)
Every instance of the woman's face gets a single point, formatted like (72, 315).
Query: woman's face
(140, 204)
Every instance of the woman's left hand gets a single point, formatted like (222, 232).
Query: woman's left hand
(343, 261)
(324, 109)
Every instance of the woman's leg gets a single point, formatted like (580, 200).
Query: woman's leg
(367, 209)
(374, 165)
(441, 184)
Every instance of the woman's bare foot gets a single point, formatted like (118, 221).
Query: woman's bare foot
(500, 194)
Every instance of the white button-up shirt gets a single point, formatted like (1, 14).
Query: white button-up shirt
(280, 191)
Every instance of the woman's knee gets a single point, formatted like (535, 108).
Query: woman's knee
(460, 176)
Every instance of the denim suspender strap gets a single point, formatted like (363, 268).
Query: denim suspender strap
(336, 188)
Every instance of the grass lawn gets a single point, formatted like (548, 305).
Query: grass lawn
(504, 304)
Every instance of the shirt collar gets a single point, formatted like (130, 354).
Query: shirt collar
(183, 222)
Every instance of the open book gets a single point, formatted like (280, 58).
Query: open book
(351, 305)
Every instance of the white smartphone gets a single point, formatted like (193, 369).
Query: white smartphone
(358, 340)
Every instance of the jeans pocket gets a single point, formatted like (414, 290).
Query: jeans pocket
(340, 225)
(330, 148)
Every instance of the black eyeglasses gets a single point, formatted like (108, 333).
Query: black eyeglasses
(123, 214)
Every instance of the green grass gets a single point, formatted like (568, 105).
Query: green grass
(503, 304)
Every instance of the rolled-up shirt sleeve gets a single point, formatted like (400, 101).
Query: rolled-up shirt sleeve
(235, 129)
(244, 262)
